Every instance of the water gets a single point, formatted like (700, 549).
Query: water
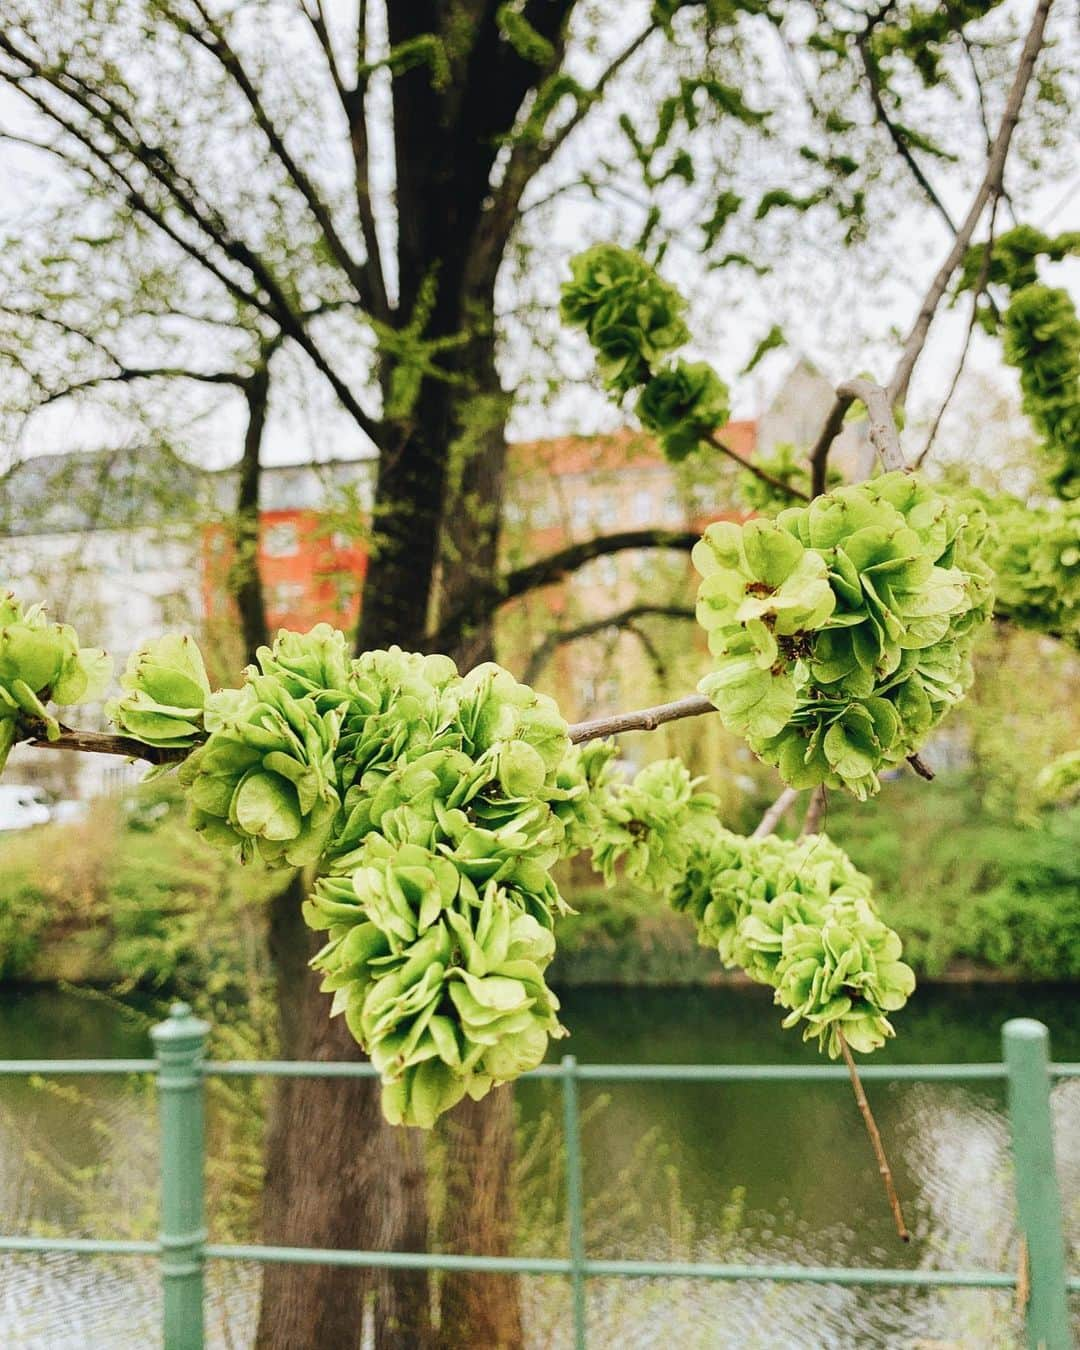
(749, 1172)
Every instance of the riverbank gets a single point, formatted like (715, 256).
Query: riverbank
(130, 898)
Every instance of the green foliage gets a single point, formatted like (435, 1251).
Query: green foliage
(682, 404)
(786, 465)
(1059, 781)
(800, 918)
(1042, 340)
(439, 900)
(632, 317)
(41, 663)
(842, 630)
(1034, 552)
(166, 692)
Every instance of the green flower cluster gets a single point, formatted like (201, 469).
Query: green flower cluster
(1034, 553)
(41, 663)
(438, 901)
(650, 826)
(165, 693)
(682, 404)
(631, 315)
(799, 918)
(1042, 340)
(842, 630)
(633, 319)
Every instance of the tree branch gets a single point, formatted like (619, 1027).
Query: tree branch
(645, 719)
(776, 813)
(103, 743)
(991, 186)
(756, 469)
(623, 619)
(547, 571)
(883, 434)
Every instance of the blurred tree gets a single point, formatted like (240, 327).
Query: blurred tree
(351, 183)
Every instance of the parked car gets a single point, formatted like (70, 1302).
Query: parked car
(23, 807)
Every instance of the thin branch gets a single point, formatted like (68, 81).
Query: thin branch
(921, 768)
(814, 811)
(623, 619)
(991, 186)
(883, 434)
(875, 1139)
(103, 743)
(896, 135)
(776, 813)
(547, 571)
(756, 469)
(980, 289)
(645, 719)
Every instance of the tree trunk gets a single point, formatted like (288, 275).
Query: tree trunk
(245, 581)
(480, 1218)
(337, 1176)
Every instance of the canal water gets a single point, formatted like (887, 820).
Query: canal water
(762, 1173)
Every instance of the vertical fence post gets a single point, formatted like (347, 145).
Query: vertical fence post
(180, 1044)
(1038, 1200)
(575, 1203)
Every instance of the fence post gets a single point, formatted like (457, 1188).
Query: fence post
(1038, 1201)
(575, 1203)
(180, 1044)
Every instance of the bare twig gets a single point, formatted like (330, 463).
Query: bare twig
(103, 743)
(645, 719)
(758, 472)
(921, 767)
(980, 288)
(776, 813)
(815, 811)
(624, 619)
(990, 187)
(883, 434)
(875, 1140)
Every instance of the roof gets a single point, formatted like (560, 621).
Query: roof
(99, 490)
(622, 449)
(137, 487)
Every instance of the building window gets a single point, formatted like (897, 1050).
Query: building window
(642, 506)
(286, 596)
(281, 540)
(581, 513)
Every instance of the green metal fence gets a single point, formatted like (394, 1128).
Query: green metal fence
(180, 1067)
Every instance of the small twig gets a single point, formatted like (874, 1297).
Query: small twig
(775, 813)
(102, 743)
(758, 472)
(875, 1139)
(921, 767)
(992, 185)
(883, 434)
(645, 719)
(814, 811)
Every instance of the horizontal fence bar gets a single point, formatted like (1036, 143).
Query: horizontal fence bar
(82, 1246)
(596, 1073)
(538, 1265)
(94, 1066)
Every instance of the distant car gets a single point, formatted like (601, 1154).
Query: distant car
(23, 807)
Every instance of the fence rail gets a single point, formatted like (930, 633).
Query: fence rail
(180, 1068)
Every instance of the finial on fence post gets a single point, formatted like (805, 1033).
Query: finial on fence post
(180, 1045)
(1026, 1046)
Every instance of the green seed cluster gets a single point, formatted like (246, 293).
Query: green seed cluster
(165, 693)
(799, 918)
(633, 318)
(438, 898)
(842, 630)
(41, 663)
